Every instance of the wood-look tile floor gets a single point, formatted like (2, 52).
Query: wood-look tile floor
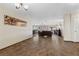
(39, 46)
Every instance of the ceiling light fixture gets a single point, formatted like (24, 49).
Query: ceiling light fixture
(21, 5)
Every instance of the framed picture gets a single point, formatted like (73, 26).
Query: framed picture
(13, 21)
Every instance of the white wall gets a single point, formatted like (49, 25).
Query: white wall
(47, 21)
(12, 34)
(67, 27)
(71, 26)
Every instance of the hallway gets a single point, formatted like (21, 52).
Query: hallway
(54, 46)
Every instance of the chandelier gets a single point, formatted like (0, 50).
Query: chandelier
(21, 5)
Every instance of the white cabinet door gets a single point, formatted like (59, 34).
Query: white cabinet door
(76, 28)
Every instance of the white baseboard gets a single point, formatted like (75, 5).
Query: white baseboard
(75, 41)
(72, 40)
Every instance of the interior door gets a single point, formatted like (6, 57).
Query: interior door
(76, 29)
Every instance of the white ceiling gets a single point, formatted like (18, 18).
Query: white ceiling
(43, 10)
